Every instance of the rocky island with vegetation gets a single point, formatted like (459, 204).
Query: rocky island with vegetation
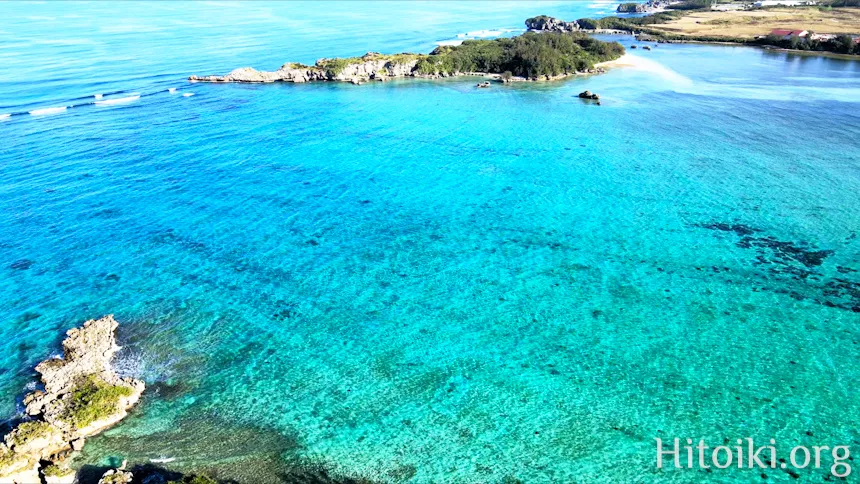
(531, 56)
(81, 396)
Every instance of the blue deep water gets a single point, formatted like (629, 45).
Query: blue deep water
(419, 281)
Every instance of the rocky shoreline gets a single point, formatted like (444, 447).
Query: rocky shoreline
(82, 395)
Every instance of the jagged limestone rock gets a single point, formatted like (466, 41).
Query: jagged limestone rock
(372, 65)
(116, 476)
(545, 23)
(82, 396)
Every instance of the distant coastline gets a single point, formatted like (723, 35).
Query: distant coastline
(803, 28)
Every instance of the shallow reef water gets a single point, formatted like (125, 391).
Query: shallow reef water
(420, 281)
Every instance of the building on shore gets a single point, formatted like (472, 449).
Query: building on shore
(784, 3)
(788, 34)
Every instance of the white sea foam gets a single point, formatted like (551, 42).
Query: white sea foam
(477, 34)
(187, 94)
(119, 100)
(775, 93)
(97, 96)
(43, 111)
(4, 117)
(149, 367)
(480, 34)
(162, 460)
(171, 90)
(677, 80)
(735, 87)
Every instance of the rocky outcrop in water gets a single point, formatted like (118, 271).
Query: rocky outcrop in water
(82, 396)
(116, 476)
(557, 60)
(372, 65)
(632, 8)
(546, 23)
(286, 73)
(646, 7)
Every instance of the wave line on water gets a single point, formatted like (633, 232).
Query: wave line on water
(101, 102)
(478, 34)
(44, 111)
(120, 100)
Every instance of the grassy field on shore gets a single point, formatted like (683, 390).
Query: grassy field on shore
(761, 22)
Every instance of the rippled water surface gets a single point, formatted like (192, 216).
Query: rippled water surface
(421, 281)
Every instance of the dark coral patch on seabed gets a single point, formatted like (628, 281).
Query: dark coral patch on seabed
(21, 265)
(796, 263)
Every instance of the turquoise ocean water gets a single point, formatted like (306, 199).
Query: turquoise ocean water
(418, 281)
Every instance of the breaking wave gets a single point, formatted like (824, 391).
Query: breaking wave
(478, 34)
(482, 34)
(119, 100)
(137, 364)
(44, 111)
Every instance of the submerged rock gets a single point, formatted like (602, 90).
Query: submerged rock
(589, 95)
(794, 268)
(82, 396)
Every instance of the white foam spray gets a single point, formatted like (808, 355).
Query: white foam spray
(119, 100)
(44, 111)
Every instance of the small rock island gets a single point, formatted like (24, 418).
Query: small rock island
(553, 50)
(545, 23)
(82, 396)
